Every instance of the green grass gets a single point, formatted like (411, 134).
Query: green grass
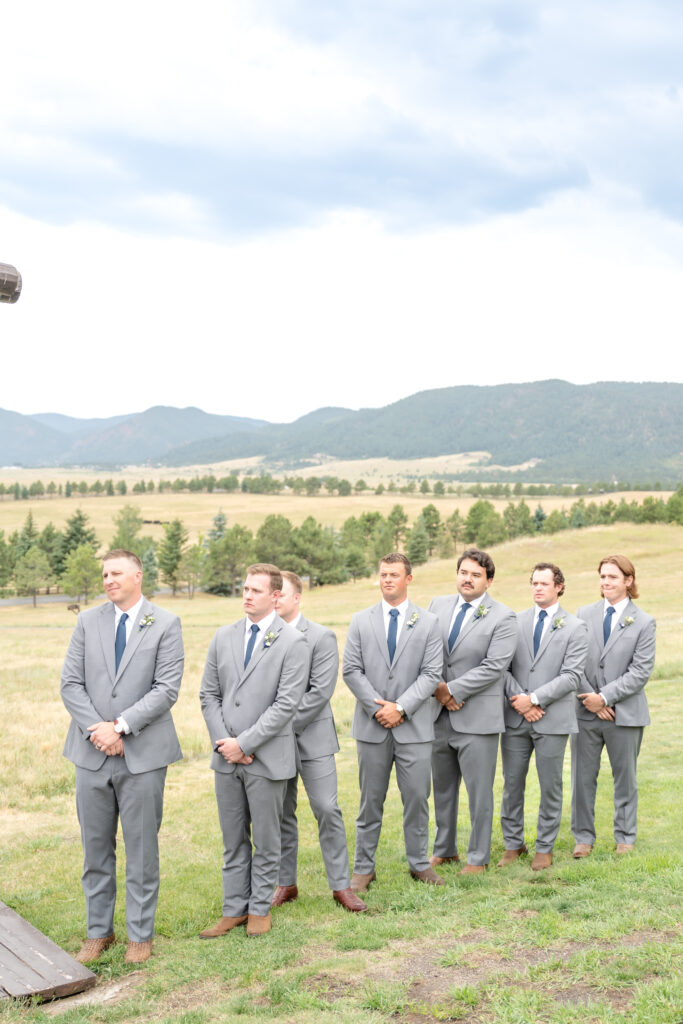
(592, 940)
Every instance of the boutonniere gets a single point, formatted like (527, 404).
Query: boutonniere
(481, 612)
(627, 622)
(412, 620)
(146, 621)
(270, 638)
(559, 622)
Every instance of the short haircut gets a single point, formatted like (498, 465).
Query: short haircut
(482, 558)
(558, 575)
(394, 558)
(122, 553)
(295, 580)
(626, 566)
(266, 569)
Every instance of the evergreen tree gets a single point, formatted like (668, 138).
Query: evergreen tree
(82, 573)
(51, 541)
(171, 552)
(226, 560)
(5, 561)
(31, 573)
(128, 522)
(191, 565)
(432, 521)
(150, 571)
(77, 533)
(274, 543)
(417, 544)
(220, 525)
(316, 554)
(27, 537)
(398, 520)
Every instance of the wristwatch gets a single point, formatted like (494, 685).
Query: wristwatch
(401, 711)
(534, 699)
(118, 727)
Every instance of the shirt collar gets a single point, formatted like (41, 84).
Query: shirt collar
(132, 613)
(551, 612)
(401, 608)
(263, 624)
(619, 607)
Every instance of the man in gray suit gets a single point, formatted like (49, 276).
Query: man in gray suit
(316, 744)
(478, 640)
(613, 707)
(255, 675)
(392, 662)
(120, 680)
(540, 688)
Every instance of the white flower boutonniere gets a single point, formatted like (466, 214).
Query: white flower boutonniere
(626, 622)
(412, 620)
(270, 638)
(146, 621)
(481, 612)
(559, 622)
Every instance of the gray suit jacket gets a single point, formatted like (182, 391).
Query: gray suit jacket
(620, 669)
(410, 679)
(553, 675)
(314, 728)
(475, 669)
(255, 705)
(143, 691)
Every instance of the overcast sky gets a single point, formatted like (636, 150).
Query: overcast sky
(260, 208)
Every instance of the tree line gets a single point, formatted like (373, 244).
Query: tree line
(311, 486)
(32, 561)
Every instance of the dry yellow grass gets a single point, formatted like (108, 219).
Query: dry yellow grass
(198, 510)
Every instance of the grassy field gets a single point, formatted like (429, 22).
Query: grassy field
(592, 940)
(197, 510)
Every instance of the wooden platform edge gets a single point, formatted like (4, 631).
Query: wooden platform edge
(33, 965)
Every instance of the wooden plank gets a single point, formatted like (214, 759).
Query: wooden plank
(32, 965)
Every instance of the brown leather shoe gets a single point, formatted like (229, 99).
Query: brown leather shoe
(284, 894)
(222, 926)
(428, 876)
(258, 924)
(349, 901)
(138, 952)
(436, 862)
(541, 861)
(582, 850)
(359, 883)
(474, 869)
(92, 949)
(624, 847)
(510, 856)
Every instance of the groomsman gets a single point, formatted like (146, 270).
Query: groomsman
(613, 707)
(392, 662)
(478, 640)
(540, 688)
(315, 735)
(255, 676)
(120, 679)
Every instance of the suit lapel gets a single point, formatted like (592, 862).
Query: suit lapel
(549, 633)
(135, 638)
(106, 628)
(629, 610)
(377, 619)
(260, 649)
(472, 619)
(406, 630)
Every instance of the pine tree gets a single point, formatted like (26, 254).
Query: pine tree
(171, 552)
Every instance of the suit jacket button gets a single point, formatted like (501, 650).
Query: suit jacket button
(237, 703)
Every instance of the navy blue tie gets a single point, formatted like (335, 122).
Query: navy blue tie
(607, 624)
(538, 632)
(120, 640)
(392, 633)
(250, 645)
(453, 636)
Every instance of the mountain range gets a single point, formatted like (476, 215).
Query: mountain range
(560, 431)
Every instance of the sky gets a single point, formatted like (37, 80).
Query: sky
(263, 208)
